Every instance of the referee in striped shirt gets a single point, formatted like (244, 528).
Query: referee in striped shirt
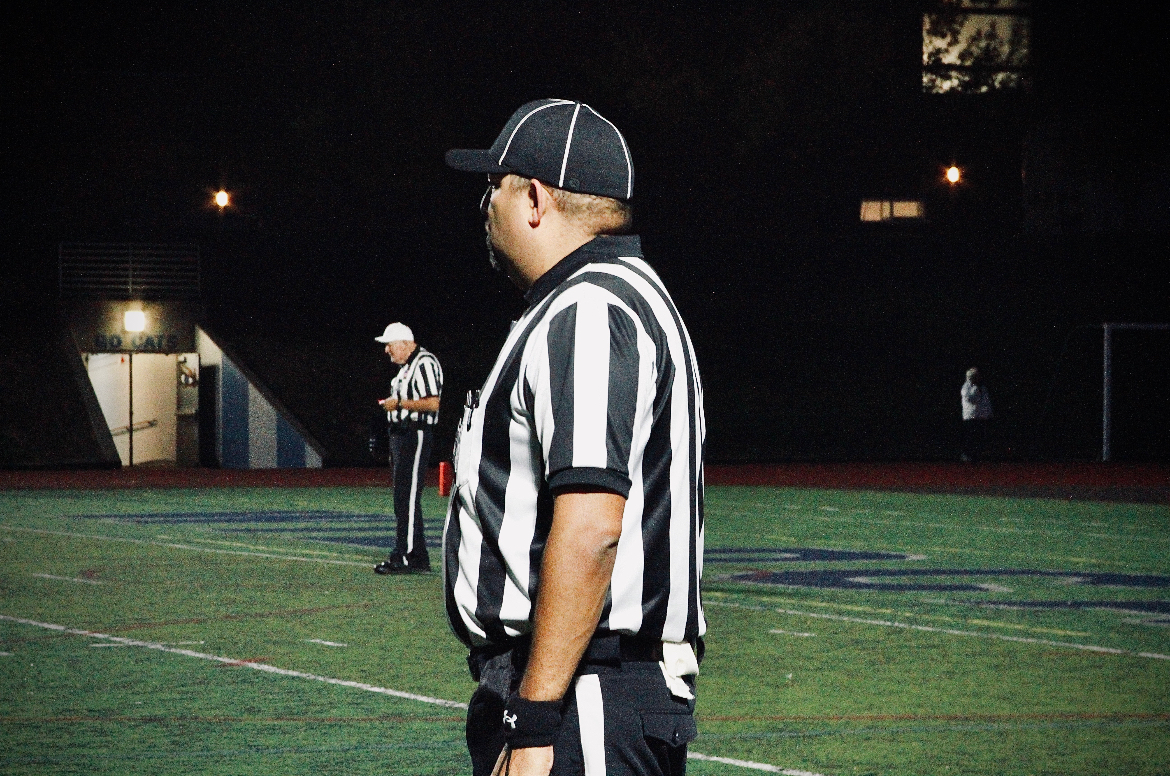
(574, 537)
(412, 410)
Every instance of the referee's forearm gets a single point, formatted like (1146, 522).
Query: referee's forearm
(425, 404)
(574, 578)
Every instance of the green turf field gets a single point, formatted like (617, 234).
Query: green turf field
(241, 631)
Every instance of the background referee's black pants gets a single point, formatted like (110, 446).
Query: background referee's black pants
(410, 450)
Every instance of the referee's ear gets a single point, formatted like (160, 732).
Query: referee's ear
(540, 202)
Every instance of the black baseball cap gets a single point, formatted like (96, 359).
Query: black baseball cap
(559, 142)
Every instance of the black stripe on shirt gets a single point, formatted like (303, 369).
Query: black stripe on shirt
(562, 332)
(624, 367)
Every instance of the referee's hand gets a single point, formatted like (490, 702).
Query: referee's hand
(534, 761)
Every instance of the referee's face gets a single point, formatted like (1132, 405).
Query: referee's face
(503, 206)
(399, 351)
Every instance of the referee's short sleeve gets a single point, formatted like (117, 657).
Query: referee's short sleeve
(594, 374)
(429, 377)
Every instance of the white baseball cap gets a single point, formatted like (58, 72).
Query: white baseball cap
(396, 332)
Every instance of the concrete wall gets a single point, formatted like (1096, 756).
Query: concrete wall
(251, 432)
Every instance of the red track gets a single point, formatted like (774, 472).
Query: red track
(1148, 483)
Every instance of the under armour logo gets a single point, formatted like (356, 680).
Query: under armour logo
(509, 721)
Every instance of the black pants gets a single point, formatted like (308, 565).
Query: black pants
(619, 719)
(973, 441)
(410, 450)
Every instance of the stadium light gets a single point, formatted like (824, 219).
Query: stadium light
(954, 175)
(222, 199)
(134, 320)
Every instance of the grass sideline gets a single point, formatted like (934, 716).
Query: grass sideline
(816, 663)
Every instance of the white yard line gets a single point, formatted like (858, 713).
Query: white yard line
(233, 661)
(175, 546)
(872, 610)
(947, 631)
(120, 641)
(161, 643)
(326, 643)
(252, 546)
(749, 764)
(68, 579)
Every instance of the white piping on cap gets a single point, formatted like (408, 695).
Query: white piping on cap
(568, 145)
(625, 149)
(521, 123)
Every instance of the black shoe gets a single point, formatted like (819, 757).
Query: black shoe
(395, 564)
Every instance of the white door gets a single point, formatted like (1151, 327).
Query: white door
(154, 386)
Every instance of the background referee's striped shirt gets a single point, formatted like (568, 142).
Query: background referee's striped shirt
(596, 386)
(420, 377)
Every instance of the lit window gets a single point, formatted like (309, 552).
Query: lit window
(907, 209)
(886, 210)
(874, 210)
(976, 46)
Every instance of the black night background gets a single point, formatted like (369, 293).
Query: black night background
(756, 130)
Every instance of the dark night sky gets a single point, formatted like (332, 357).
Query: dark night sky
(755, 129)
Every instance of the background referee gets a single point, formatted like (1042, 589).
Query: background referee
(412, 410)
(573, 542)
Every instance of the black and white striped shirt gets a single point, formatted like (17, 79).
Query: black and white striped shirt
(420, 377)
(597, 386)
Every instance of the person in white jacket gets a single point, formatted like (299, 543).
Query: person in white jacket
(976, 404)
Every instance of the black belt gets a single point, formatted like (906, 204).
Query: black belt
(608, 649)
(409, 427)
(618, 648)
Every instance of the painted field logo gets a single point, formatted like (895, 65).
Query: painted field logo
(346, 528)
(940, 580)
(796, 554)
(995, 581)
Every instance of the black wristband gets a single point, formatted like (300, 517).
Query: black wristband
(531, 723)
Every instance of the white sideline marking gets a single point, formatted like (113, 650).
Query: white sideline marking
(68, 579)
(749, 764)
(162, 643)
(120, 641)
(949, 631)
(251, 546)
(232, 661)
(185, 546)
(6, 654)
(326, 643)
(791, 633)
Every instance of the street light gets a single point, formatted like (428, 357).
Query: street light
(954, 175)
(222, 199)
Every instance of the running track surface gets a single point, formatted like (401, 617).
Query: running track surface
(1134, 483)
